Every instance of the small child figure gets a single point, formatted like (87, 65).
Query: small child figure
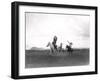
(60, 47)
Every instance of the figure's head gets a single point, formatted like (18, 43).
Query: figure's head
(55, 38)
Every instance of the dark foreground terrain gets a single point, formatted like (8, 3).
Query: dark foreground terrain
(43, 58)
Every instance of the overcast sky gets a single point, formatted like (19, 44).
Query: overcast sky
(41, 28)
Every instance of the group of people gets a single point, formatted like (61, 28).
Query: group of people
(54, 47)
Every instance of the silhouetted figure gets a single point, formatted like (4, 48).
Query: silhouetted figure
(60, 47)
(69, 47)
(54, 42)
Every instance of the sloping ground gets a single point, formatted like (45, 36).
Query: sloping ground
(36, 59)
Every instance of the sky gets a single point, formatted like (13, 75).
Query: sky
(42, 27)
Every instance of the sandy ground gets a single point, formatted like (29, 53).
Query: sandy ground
(37, 59)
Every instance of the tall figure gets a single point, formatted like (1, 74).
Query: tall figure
(54, 42)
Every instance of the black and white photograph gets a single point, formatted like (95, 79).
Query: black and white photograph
(50, 40)
(56, 39)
